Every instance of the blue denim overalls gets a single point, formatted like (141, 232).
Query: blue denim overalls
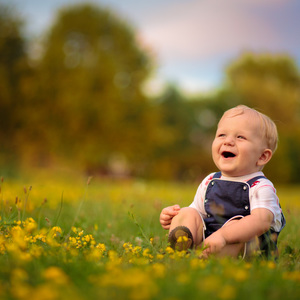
(227, 199)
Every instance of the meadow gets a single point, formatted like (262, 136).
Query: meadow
(71, 237)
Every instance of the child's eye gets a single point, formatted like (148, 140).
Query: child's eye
(221, 134)
(241, 137)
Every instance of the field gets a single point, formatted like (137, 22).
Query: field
(68, 237)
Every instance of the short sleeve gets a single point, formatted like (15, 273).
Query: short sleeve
(264, 196)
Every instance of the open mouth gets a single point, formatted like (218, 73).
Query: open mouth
(228, 154)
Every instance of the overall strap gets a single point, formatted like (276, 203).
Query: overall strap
(252, 180)
(217, 175)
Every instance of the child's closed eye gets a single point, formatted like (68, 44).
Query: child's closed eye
(241, 137)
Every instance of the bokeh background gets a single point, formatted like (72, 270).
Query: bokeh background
(135, 89)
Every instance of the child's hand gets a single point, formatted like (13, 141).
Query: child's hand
(167, 214)
(214, 243)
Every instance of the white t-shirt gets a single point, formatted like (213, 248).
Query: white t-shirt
(262, 194)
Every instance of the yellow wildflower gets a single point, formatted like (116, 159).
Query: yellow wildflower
(21, 291)
(239, 274)
(56, 231)
(36, 251)
(197, 263)
(158, 270)
(113, 255)
(271, 265)
(45, 292)
(56, 275)
(183, 278)
(139, 283)
(136, 249)
(18, 275)
(101, 247)
(169, 250)
(227, 292)
(74, 229)
(72, 241)
(160, 256)
(293, 275)
(18, 236)
(30, 225)
(209, 283)
(94, 254)
(127, 247)
(147, 254)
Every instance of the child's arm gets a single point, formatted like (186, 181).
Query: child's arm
(167, 214)
(241, 231)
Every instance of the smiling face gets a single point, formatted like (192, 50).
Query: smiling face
(239, 148)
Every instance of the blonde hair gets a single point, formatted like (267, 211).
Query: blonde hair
(268, 127)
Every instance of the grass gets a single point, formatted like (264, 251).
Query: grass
(78, 238)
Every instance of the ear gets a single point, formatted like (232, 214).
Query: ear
(265, 157)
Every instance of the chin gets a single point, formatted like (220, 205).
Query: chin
(229, 173)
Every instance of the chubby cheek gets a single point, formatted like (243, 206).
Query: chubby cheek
(215, 151)
(215, 148)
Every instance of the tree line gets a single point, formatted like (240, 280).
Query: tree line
(76, 99)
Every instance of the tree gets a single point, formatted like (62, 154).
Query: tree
(13, 70)
(271, 83)
(90, 88)
(268, 82)
(184, 153)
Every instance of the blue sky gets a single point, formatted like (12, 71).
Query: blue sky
(193, 40)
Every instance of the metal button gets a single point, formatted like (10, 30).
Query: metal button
(212, 183)
(245, 187)
(205, 201)
(246, 207)
(208, 215)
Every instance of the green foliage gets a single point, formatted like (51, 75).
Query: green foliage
(80, 103)
(262, 80)
(91, 75)
(13, 74)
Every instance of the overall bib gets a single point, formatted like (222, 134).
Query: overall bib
(225, 200)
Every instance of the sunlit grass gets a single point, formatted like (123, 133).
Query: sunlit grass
(82, 238)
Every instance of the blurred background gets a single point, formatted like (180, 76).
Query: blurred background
(129, 88)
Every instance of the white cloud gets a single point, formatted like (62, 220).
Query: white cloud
(202, 29)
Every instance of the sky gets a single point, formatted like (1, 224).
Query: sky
(192, 40)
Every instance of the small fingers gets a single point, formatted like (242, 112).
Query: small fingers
(167, 215)
(165, 226)
(173, 210)
(176, 207)
(165, 221)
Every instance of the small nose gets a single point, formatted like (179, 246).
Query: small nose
(229, 141)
